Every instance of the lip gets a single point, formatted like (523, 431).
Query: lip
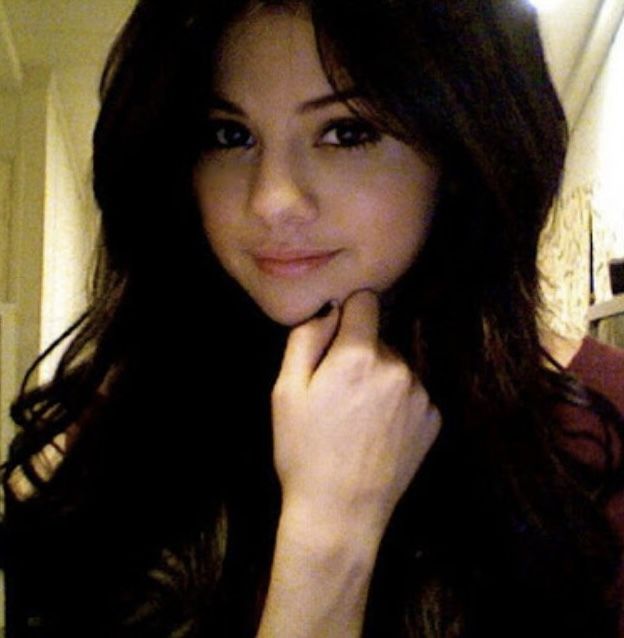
(290, 263)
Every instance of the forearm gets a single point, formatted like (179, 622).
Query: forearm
(319, 580)
(351, 426)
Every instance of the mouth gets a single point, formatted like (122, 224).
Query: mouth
(292, 263)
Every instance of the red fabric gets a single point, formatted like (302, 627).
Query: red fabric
(601, 368)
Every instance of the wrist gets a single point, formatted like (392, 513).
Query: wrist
(320, 577)
(330, 532)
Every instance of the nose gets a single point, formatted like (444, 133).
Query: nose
(280, 191)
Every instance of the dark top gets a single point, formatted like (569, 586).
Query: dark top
(600, 367)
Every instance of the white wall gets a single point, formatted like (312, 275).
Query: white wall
(591, 207)
(5, 226)
(597, 136)
(8, 337)
(28, 212)
(46, 234)
(597, 159)
(8, 119)
(8, 150)
(51, 230)
(68, 234)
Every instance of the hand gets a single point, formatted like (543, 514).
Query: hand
(351, 422)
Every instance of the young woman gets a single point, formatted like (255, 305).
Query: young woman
(309, 397)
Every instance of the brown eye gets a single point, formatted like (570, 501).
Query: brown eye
(350, 133)
(227, 134)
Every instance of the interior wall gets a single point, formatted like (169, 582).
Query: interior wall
(8, 335)
(597, 159)
(5, 226)
(586, 228)
(46, 232)
(46, 250)
(68, 235)
(28, 214)
(8, 117)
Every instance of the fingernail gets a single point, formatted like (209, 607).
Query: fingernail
(326, 309)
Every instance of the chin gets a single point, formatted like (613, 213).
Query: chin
(290, 318)
(290, 311)
(290, 315)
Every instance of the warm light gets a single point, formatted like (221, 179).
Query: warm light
(544, 6)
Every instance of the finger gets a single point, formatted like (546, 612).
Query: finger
(306, 346)
(359, 322)
(430, 427)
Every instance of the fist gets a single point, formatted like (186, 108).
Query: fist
(351, 422)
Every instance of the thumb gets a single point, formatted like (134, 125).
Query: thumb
(307, 343)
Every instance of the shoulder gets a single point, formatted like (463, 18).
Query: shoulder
(591, 430)
(593, 352)
(601, 367)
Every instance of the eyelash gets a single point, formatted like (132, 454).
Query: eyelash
(361, 127)
(215, 126)
(371, 135)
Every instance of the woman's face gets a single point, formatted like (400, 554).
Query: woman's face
(302, 201)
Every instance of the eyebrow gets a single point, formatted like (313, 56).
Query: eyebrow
(222, 104)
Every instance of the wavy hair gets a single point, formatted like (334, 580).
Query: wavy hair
(161, 520)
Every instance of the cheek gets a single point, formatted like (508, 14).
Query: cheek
(398, 205)
(219, 196)
(391, 214)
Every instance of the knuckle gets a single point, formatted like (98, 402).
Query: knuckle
(364, 299)
(301, 334)
(405, 377)
(359, 359)
(281, 389)
(400, 376)
(435, 417)
(277, 392)
(422, 404)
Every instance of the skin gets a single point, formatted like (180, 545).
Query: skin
(351, 422)
(278, 187)
(562, 349)
(351, 425)
(295, 184)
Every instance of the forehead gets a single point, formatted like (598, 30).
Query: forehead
(269, 49)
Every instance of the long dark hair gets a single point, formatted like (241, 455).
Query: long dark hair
(162, 517)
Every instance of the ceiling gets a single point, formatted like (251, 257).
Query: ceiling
(72, 37)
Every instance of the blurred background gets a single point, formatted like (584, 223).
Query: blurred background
(51, 55)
